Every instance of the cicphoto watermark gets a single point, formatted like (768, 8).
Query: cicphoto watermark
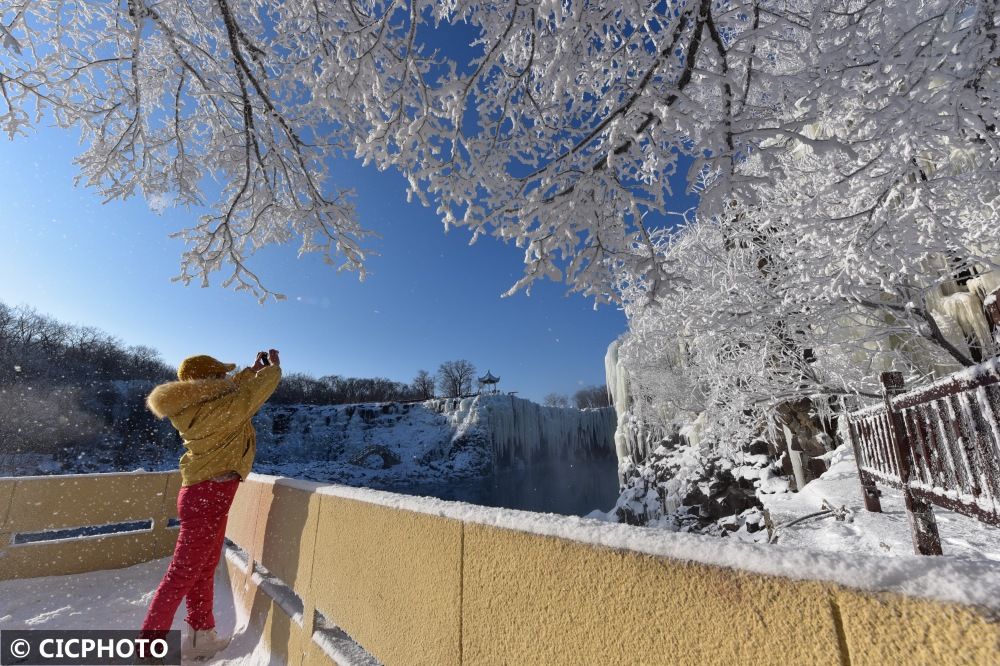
(78, 647)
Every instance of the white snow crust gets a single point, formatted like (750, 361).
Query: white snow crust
(118, 599)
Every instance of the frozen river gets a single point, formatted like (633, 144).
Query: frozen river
(570, 488)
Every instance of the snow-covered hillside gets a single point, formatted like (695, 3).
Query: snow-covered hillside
(390, 444)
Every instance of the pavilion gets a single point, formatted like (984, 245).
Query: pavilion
(488, 380)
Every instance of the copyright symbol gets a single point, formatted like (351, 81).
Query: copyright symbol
(20, 648)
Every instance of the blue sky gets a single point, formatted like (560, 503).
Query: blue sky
(430, 297)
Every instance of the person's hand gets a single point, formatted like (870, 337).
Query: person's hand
(272, 356)
(259, 363)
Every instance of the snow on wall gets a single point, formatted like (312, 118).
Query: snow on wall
(946, 578)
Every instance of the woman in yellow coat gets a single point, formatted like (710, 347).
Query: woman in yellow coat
(211, 411)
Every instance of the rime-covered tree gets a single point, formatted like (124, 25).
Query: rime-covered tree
(566, 133)
(838, 150)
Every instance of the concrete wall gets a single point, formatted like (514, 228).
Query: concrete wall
(425, 587)
(41, 503)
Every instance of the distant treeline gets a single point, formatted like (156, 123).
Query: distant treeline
(75, 391)
(37, 348)
(453, 378)
(301, 389)
(589, 397)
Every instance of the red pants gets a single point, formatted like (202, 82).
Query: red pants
(203, 509)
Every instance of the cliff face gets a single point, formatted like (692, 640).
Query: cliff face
(398, 443)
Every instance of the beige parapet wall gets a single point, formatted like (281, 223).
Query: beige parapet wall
(421, 581)
(43, 503)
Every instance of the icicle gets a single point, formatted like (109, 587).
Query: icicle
(985, 284)
(521, 430)
(625, 436)
(963, 321)
(694, 432)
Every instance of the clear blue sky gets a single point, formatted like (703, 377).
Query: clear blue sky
(430, 297)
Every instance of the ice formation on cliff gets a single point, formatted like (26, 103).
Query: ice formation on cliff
(633, 438)
(959, 311)
(440, 437)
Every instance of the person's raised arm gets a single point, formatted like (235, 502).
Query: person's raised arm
(259, 363)
(255, 386)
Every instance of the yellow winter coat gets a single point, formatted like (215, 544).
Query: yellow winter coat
(212, 416)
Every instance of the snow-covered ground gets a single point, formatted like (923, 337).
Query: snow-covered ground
(886, 533)
(118, 599)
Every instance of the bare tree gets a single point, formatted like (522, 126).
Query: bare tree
(591, 397)
(454, 378)
(556, 400)
(423, 385)
(145, 362)
(36, 347)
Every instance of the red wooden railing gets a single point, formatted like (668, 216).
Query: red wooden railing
(939, 444)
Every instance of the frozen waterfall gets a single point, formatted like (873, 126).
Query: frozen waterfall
(521, 432)
(510, 431)
(961, 316)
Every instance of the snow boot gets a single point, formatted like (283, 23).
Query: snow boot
(202, 643)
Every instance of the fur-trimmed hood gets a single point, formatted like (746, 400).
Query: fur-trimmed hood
(172, 398)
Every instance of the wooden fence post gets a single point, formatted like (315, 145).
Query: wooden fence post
(923, 527)
(868, 490)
